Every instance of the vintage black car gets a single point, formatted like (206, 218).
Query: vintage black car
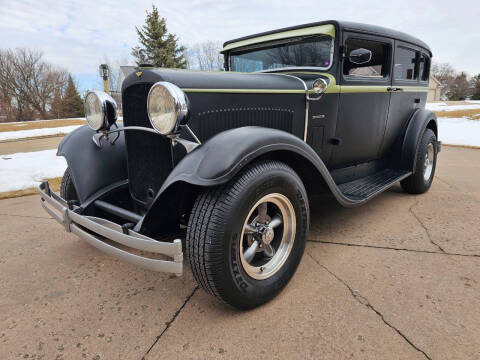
(223, 164)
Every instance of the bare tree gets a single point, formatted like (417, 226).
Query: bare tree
(28, 84)
(205, 56)
(446, 74)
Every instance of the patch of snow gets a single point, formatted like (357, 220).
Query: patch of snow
(21, 134)
(441, 106)
(459, 131)
(25, 170)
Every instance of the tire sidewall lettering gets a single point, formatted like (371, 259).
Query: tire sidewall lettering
(243, 282)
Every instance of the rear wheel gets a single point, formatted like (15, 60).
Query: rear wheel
(422, 179)
(67, 189)
(245, 239)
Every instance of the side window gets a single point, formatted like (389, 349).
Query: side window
(405, 60)
(424, 67)
(377, 67)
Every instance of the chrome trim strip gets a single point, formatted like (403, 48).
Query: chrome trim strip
(189, 146)
(192, 134)
(307, 105)
(99, 228)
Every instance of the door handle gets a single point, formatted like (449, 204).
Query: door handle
(393, 89)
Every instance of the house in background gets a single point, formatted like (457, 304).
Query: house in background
(434, 89)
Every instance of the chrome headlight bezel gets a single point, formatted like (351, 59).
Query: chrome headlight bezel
(107, 110)
(178, 107)
(320, 85)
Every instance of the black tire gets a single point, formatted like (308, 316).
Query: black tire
(67, 189)
(416, 183)
(215, 227)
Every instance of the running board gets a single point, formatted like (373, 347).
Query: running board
(367, 187)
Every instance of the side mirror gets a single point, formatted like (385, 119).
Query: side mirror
(360, 56)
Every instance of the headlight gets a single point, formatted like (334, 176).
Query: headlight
(100, 110)
(167, 107)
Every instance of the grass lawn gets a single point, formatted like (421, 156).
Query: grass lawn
(472, 114)
(41, 124)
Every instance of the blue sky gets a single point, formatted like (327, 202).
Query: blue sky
(79, 34)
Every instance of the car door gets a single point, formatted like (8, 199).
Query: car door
(408, 91)
(364, 100)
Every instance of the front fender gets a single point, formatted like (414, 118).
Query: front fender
(220, 158)
(93, 168)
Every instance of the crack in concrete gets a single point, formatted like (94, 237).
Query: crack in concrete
(364, 301)
(27, 216)
(445, 182)
(169, 323)
(392, 248)
(410, 209)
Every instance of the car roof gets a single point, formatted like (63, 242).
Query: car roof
(347, 26)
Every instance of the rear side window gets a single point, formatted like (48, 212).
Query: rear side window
(377, 67)
(424, 67)
(405, 60)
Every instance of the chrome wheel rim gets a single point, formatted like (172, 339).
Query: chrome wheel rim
(428, 162)
(268, 235)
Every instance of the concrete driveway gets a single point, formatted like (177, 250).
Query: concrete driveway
(398, 278)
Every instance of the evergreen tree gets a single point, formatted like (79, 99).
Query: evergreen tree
(476, 87)
(72, 102)
(157, 46)
(460, 88)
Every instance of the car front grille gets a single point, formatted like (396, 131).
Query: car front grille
(149, 155)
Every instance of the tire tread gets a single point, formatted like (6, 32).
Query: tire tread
(207, 221)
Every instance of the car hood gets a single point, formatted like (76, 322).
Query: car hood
(221, 81)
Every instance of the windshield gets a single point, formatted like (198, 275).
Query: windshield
(315, 51)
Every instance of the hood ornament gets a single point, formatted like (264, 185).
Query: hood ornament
(139, 73)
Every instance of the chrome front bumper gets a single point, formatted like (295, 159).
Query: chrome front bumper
(97, 231)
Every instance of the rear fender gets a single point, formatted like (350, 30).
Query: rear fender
(93, 168)
(420, 120)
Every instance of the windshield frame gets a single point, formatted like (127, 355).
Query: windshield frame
(284, 41)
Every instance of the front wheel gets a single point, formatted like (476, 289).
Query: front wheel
(245, 239)
(426, 162)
